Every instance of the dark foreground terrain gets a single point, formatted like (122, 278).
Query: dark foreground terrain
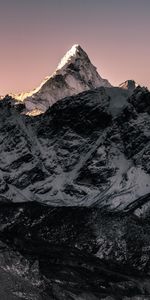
(73, 253)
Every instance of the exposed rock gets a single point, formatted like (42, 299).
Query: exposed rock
(128, 85)
(82, 253)
(91, 143)
(86, 162)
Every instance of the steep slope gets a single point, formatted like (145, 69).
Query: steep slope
(88, 158)
(87, 149)
(74, 74)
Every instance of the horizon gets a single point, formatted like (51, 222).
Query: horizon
(35, 36)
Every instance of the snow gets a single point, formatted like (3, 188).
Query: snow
(140, 212)
(127, 182)
(122, 192)
(68, 56)
(24, 95)
(83, 76)
(74, 84)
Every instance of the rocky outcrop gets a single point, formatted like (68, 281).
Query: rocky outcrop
(128, 85)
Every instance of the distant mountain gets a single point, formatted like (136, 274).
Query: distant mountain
(129, 85)
(74, 74)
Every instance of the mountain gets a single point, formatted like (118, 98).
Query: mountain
(75, 189)
(75, 198)
(74, 74)
(129, 85)
(88, 148)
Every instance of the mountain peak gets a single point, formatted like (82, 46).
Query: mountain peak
(75, 51)
(128, 85)
(76, 47)
(74, 74)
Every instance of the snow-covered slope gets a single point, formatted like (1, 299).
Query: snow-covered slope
(88, 158)
(74, 74)
(88, 149)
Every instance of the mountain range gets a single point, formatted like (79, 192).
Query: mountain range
(75, 187)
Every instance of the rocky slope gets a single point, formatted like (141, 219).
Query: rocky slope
(86, 149)
(80, 174)
(73, 253)
(74, 74)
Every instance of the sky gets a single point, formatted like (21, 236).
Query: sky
(35, 34)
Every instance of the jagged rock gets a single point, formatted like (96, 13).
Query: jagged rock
(91, 143)
(88, 158)
(129, 85)
(82, 253)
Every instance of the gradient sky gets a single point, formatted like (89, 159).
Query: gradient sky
(35, 34)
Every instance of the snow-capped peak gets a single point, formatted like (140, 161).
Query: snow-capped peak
(75, 49)
(128, 85)
(74, 74)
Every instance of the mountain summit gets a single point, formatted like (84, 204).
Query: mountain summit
(71, 55)
(75, 73)
(129, 85)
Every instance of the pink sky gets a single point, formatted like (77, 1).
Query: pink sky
(36, 34)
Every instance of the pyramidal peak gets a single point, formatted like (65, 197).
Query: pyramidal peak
(71, 54)
(75, 73)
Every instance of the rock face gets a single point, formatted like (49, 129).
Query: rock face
(129, 85)
(74, 74)
(80, 174)
(86, 149)
(73, 253)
